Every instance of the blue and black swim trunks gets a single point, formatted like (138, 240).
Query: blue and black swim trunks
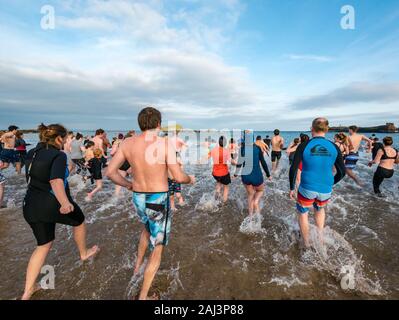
(154, 212)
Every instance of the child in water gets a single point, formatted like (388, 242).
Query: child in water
(175, 188)
(96, 164)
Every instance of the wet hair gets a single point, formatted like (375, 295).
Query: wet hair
(12, 128)
(149, 118)
(48, 134)
(97, 153)
(320, 125)
(232, 140)
(258, 138)
(222, 141)
(376, 139)
(388, 141)
(341, 137)
(354, 128)
(70, 133)
(89, 144)
(99, 131)
(304, 138)
(267, 137)
(19, 134)
(120, 136)
(79, 136)
(296, 140)
(276, 132)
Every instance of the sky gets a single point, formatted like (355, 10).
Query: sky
(222, 64)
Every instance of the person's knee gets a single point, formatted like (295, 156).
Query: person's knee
(46, 247)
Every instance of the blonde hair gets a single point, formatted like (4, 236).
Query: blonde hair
(320, 125)
(97, 153)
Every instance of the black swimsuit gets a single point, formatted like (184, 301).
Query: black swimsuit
(41, 208)
(383, 173)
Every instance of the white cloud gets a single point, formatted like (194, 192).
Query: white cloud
(309, 57)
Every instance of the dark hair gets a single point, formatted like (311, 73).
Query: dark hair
(267, 137)
(120, 136)
(99, 131)
(388, 141)
(19, 134)
(12, 128)
(222, 141)
(258, 138)
(304, 138)
(48, 134)
(149, 118)
(79, 136)
(276, 132)
(89, 144)
(354, 128)
(232, 140)
(296, 140)
(70, 132)
(320, 125)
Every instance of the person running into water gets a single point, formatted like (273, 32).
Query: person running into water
(386, 158)
(221, 157)
(376, 146)
(48, 201)
(174, 186)
(318, 157)
(150, 157)
(249, 167)
(341, 141)
(8, 153)
(277, 146)
(67, 150)
(124, 169)
(2, 190)
(262, 145)
(77, 154)
(291, 150)
(268, 141)
(96, 164)
(20, 147)
(233, 147)
(352, 158)
(99, 140)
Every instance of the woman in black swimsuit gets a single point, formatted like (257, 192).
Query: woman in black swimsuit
(341, 140)
(48, 201)
(386, 158)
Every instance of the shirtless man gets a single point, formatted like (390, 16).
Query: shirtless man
(150, 158)
(8, 154)
(99, 140)
(351, 159)
(277, 146)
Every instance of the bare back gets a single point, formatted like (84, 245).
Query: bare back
(277, 143)
(388, 163)
(8, 139)
(355, 141)
(146, 155)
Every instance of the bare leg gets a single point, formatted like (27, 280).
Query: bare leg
(226, 193)
(303, 220)
(119, 188)
(352, 175)
(172, 202)
(1, 194)
(99, 186)
(257, 196)
(143, 245)
(18, 167)
(180, 198)
(34, 266)
(79, 234)
(150, 271)
(250, 193)
(274, 166)
(218, 187)
(320, 217)
(4, 165)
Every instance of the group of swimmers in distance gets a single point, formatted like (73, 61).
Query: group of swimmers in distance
(316, 165)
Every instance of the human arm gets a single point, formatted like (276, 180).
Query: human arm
(112, 171)
(339, 166)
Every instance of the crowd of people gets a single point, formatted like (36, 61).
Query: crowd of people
(150, 166)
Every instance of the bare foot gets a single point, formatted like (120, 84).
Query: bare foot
(30, 293)
(89, 198)
(153, 297)
(90, 253)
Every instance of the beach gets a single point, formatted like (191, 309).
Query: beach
(215, 251)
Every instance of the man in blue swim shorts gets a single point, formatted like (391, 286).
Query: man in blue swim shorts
(150, 157)
(318, 157)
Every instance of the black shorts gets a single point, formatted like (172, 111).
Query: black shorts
(225, 180)
(276, 155)
(44, 232)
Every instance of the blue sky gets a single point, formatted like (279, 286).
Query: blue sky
(255, 64)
